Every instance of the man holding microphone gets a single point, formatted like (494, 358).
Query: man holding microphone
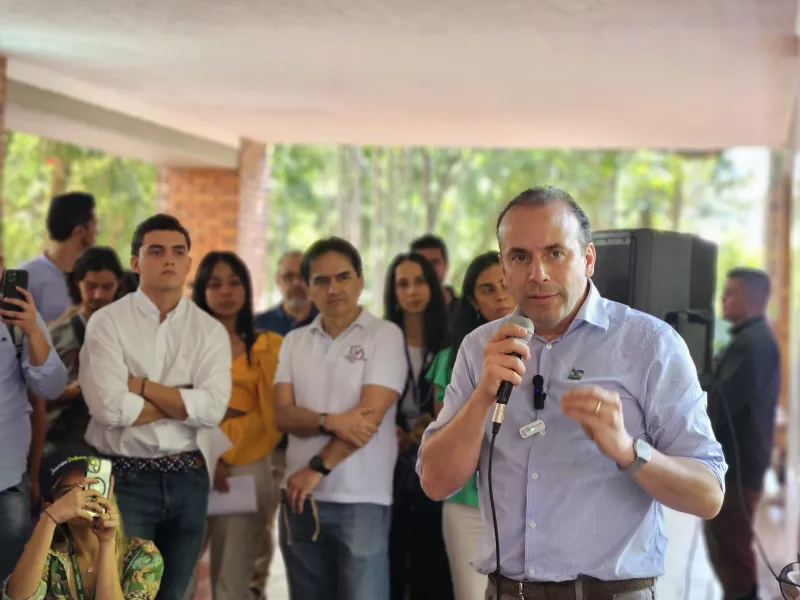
(623, 429)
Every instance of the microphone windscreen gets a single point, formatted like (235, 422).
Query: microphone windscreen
(527, 324)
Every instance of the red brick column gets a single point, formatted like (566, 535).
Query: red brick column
(2, 142)
(251, 242)
(223, 209)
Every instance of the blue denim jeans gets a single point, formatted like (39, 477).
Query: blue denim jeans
(348, 559)
(15, 525)
(169, 509)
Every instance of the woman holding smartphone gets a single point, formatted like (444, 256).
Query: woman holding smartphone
(222, 287)
(73, 555)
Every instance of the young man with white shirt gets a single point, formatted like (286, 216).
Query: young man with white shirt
(155, 371)
(336, 389)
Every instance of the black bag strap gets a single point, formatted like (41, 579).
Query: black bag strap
(12, 331)
(79, 328)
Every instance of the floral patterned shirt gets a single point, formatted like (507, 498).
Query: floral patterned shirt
(142, 568)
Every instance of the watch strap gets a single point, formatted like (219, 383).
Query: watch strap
(321, 423)
(318, 464)
(640, 459)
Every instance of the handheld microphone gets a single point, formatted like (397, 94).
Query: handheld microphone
(504, 393)
(539, 395)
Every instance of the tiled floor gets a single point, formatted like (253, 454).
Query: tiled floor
(686, 547)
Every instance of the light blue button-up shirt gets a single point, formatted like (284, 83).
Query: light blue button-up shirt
(563, 508)
(47, 380)
(48, 286)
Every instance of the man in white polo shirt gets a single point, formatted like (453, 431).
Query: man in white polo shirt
(336, 389)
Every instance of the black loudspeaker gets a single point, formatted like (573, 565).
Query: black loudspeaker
(669, 275)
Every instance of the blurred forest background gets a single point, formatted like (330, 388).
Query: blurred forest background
(380, 198)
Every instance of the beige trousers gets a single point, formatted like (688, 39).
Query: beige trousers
(463, 530)
(269, 534)
(236, 540)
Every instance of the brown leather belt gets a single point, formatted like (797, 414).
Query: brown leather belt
(567, 590)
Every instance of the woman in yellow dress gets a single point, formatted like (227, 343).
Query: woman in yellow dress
(222, 288)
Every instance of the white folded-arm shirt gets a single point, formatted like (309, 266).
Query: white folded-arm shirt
(189, 349)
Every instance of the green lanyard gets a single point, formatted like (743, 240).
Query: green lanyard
(76, 569)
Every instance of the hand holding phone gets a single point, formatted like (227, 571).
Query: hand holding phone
(13, 279)
(99, 469)
(17, 308)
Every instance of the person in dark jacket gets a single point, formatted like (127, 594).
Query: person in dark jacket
(742, 401)
(414, 301)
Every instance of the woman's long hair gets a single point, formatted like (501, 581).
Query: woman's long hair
(435, 322)
(468, 317)
(244, 320)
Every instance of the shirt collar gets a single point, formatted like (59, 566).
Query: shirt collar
(50, 264)
(593, 310)
(361, 321)
(290, 319)
(748, 323)
(146, 306)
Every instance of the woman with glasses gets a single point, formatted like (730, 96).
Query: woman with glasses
(418, 560)
(75, 555)
(484, 298)
(222, 288)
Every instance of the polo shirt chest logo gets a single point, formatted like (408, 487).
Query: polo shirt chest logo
(575, 374)
(356, 353)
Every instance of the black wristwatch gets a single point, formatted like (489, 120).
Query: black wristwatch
(321, 423)
(317, 464)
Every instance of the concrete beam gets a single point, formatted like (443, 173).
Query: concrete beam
(46, 113)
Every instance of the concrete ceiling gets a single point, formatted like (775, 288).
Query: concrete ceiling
(510, 73)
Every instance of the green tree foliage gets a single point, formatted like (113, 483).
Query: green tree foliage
(37, 168)
(382, 197)
(457, 193)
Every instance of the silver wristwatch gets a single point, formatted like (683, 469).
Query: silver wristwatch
(642, 451)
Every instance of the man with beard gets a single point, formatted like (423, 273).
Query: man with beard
(72, 227)
(295, 310)
(94, 283)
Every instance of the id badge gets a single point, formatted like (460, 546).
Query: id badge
(532, 429)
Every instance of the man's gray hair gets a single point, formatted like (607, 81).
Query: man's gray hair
(545, 196)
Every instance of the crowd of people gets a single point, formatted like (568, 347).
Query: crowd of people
(367, 436)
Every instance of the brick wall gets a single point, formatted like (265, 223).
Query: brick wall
(253, 210)
(2, 141)
(223, 209)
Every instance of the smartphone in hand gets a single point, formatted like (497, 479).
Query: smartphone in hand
(100, 469)
(12, 279)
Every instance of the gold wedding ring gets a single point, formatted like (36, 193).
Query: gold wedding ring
(597, 410)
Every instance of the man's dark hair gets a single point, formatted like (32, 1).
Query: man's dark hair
(159, 222)
(97, 258)
(429, 242)
(545, 196)
(68, 211)
(323, 246)
(756, 282)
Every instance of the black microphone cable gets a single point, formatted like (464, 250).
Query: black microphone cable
(503, 393)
